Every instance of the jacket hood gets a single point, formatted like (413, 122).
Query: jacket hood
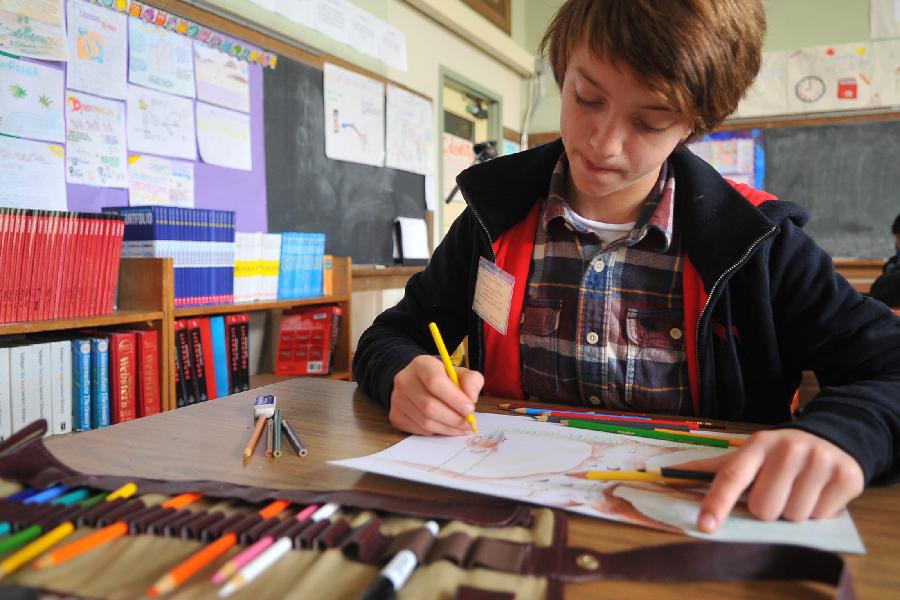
(723, 225)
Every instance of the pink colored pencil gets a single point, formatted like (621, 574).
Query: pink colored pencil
(238, 562)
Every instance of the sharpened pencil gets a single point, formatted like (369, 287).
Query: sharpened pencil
(653, 474)
(254, 438)
(658, 435)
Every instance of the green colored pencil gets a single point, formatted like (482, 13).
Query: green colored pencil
(20, 539)
(647, 433)
(276, 450)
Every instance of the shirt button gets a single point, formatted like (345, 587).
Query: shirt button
(592, 337)
(675, 333)
(599, 266)
(594, 400)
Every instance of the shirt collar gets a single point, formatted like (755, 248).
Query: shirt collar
(657, 213)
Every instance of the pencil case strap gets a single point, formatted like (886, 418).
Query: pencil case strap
(712, 561)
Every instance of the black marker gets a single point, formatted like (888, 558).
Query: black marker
(395, 574)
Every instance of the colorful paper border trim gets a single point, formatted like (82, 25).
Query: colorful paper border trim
(187, 28)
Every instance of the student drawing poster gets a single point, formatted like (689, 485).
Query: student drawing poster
(31, 100)
(160, 123)
(97, 50)
(768, 94)
(834, 77)
(95, 141)
(221, 79)
(224, 137)
(32, 175)
(517, 458)
(354, 117)
(737, 155)
(160, 59)
(884, 18)
(886, 72)
(155, 181)
(33, 28)
(410, 137)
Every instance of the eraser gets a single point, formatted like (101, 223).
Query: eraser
(264, 406)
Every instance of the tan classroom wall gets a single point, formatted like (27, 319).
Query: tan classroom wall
(791, 24)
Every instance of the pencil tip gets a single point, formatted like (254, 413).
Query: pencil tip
(578, 474)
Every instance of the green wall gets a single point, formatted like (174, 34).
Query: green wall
(791, 24)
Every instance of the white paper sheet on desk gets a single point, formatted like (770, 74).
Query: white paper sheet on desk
(517, 458)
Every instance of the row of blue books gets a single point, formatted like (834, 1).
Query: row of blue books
(300, 265)
(200, 241)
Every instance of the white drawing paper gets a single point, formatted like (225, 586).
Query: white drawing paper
(392, 47)
(221, 79)
(160, 181)
(224, 137)
(160, 123)
(834, 77)
(33, 28)
(768, 94)
(886, 72)
(98, 46)
(354, 117)
(410, 131)
(884, 18)
(32, 175)
(95, 141)
(521, 459)
(160, 59)
(31, 100)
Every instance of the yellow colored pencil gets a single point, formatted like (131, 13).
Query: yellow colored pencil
(448, 365)
(36, 548)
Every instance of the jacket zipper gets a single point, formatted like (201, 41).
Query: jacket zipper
(714, 289)
(462, 191)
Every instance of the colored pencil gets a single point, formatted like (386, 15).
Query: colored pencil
(655, 474)
(104, 536)
(585, 416)
(200, 559)
(72, 497)
(46, 495)
(548, 418)
(276, 432)
(254, 438)
(36, 548)
(701, 421)
(293, 438)
(242, 559)
(270, 438)
(658, 435)
(448, 366)
(732, 441)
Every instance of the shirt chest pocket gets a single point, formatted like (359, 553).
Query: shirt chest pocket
(539, 342)
(656, 372)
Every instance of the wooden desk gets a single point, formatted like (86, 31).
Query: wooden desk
(337, 421)
(369, 279)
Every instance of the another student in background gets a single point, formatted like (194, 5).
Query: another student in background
(887, 287)
(642, 280)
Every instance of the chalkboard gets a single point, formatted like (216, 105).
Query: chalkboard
(847, 176)
(353, 204)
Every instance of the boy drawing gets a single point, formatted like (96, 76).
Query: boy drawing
(644, 280)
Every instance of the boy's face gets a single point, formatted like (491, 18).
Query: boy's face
(616, 131)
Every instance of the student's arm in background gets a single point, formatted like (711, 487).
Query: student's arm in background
(395, 360)
(846, 437)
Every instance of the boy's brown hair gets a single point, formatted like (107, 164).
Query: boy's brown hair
(700, 55)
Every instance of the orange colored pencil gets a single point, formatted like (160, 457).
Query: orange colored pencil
(189, 567)
(254, 439)
(103, 536)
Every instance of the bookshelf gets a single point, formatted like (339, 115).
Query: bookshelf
(147, 297)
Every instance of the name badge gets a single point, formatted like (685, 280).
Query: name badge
(493, 294)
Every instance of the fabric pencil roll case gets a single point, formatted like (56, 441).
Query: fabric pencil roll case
(488, 549)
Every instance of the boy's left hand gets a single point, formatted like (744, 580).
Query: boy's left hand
(794, 474)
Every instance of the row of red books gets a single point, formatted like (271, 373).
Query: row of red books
(134, 383)
(58, 264)
(212, 358)
(307, 339)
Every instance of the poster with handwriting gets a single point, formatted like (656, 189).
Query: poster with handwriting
(160, 181)
(97, 50)
(160, 123)
(31, 100)
(32, 175)
(33, 28)
(833, 77)
(221, 79)
(160, 59)
(95, 141)
(354, 117)
(768, 94)
(410, 131)
(392, 47)
(224, 137)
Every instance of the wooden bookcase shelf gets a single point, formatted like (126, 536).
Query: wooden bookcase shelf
(147, 297)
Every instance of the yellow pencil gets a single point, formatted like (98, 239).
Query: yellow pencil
(36, 548)
(451, 371)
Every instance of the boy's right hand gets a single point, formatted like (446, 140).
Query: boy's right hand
(425, 401)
